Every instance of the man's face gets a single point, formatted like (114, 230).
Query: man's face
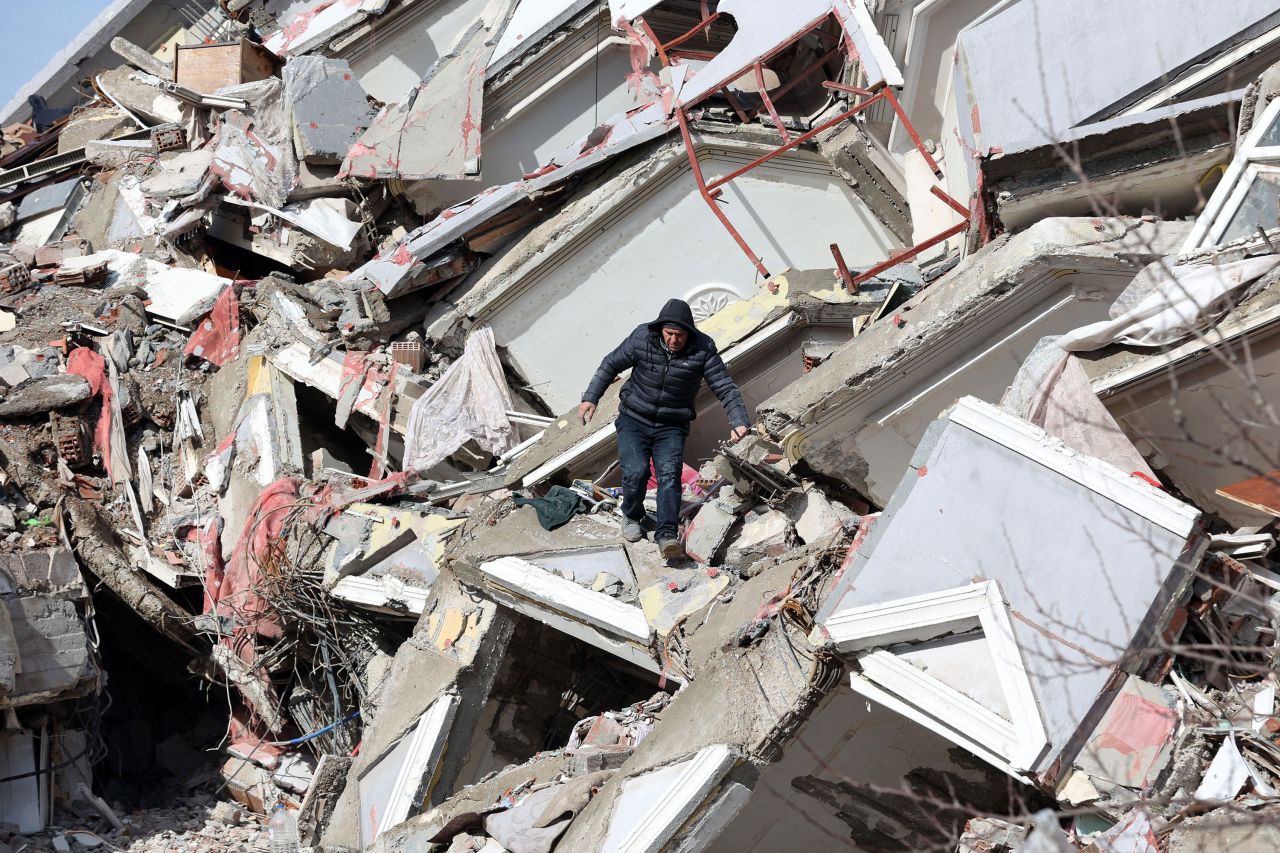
(674, 337)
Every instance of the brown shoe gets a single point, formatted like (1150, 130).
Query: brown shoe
(672, 549)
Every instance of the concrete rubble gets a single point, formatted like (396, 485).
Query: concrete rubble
(297, 302)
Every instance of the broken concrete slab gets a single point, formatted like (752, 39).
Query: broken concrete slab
(393, 784)
(141, 94)
(177, 294)
(37, 396)
(882, 389)
(50, 571)
(707, 531)
(681, 598)
(652, 807)
(330, 109)
(56, 661)
(313, 23)
(816, 518)
(1047, 671)
(458, 645)
(593, 617)
(768, 535)
(181, 175)
(93, 125)
(435, 132)
(141, 59)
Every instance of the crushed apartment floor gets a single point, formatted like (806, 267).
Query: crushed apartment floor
(296, 509)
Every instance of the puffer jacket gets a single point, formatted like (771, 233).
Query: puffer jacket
(663, 385)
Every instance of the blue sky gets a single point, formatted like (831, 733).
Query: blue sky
(35, 31)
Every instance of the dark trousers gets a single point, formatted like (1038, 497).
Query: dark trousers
(637, 443)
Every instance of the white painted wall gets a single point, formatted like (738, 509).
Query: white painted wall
(885, 427)
(847, 739)
(574, 107)
(926, 67)
(665, 244)
(1039, 67)
(392, 63)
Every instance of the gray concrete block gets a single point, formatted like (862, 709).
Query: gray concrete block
(37, 396)
(330, 109)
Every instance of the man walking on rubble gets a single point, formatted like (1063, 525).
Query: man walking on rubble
(669, 358)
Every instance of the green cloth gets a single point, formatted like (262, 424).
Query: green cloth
(554, 508)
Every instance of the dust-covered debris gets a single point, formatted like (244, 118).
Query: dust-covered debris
(319, 491)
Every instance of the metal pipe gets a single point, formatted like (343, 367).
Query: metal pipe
(845, 276)
(799, 140)
(707, 197)
(648, 30)
(737, 107)
(768, 104)
(950, 202)
(843, 87)
(906, 254)
(911, 131)
(794, 81)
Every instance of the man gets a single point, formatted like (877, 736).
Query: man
(669, 358)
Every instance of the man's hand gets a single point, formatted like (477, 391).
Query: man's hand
(585, 411)
(738, 433)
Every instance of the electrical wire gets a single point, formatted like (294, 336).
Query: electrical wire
(317, 733)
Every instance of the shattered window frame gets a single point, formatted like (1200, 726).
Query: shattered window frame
(1250, 160)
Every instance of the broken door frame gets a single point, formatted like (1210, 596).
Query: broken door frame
(862, 44)
(867, 630)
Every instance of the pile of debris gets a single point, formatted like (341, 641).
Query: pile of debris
(289, 515)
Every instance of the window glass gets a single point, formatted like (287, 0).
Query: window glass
(1272, 136)
(1260, 207)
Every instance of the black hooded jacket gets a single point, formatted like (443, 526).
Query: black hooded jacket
(663, 384)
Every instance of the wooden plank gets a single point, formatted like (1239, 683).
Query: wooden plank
(1261, 493)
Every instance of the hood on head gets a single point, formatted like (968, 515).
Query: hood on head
(675, 313)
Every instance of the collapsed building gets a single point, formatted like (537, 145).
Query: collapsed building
(297, 302)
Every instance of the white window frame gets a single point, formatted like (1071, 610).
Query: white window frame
(593, 617)
(863, 632)
(426, 747)
(650, 832)
(1239, 177)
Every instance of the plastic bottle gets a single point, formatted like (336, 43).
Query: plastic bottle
(284, 831)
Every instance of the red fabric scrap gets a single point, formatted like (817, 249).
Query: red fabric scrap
(239, 597)
(217, 337)
(93, 367)
(210, 544)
